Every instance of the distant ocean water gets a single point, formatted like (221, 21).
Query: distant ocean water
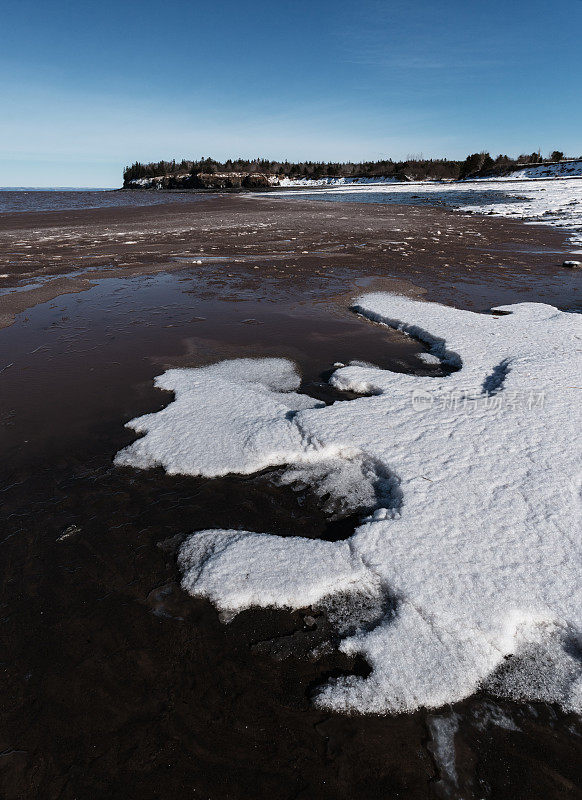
(408, 194)
(65, 199)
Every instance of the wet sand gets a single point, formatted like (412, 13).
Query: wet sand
(116, 683)
(289, 241)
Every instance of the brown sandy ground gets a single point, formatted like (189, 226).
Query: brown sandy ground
(430, 247)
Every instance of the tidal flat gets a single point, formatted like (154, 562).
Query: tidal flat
(117, 683)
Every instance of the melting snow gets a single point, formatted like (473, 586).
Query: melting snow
(470, 488)
(442, 746)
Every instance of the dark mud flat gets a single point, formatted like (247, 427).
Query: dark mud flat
(115, 683)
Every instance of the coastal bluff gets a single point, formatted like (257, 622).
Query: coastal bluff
(205, 180)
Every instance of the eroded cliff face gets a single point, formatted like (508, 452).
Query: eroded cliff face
(206, 180)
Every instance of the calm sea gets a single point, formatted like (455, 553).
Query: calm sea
(18, 200)
(61, 199)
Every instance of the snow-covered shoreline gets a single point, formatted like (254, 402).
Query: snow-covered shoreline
(554, 171)
(549, 201)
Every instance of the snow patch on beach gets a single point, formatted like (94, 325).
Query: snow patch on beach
(469, 546)
(240, 569)
(248, 430)
(552, 202)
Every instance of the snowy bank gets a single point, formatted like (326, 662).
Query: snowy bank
(570, 168)
(316, 182)
(469, 548)
(560, 169)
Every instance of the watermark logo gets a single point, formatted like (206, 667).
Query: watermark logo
(422, 401)
(462, 402)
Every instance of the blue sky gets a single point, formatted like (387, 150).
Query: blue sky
(86, 87)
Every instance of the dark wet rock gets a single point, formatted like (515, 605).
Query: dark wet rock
(255, 181)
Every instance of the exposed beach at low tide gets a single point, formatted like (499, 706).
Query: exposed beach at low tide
(117, 682)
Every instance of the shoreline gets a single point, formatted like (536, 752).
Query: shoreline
(77, 248)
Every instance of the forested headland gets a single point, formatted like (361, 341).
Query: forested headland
(187, 173)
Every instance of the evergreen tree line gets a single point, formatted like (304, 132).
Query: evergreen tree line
(475, 165)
